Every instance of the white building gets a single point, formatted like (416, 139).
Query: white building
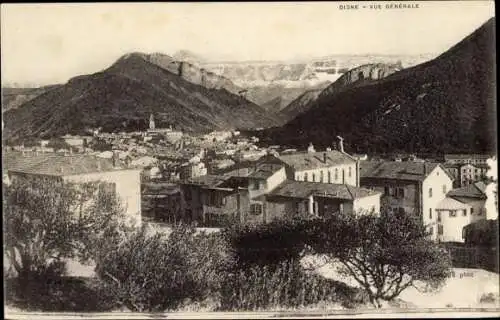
(461, 207)
(411, 187)
(79, 169)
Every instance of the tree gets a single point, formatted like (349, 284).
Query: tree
(384, 254)
(152, 271)
(47, 221)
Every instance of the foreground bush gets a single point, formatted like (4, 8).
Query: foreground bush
(286, 286)
(158, 272)
(268, 244)
(48, 221)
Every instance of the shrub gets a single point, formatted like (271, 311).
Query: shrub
(156, 272)
(263, 288)
(46, 222)
(267, 244)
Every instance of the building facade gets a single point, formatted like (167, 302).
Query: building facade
(125, 183)
(460, 208)
(411, 187)
(333, 167)
(467, 173)
(265, 193)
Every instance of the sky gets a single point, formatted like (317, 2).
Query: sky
(51, 43)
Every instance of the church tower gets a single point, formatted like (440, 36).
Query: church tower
(151, 122)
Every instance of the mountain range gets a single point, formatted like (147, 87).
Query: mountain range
(447, 104)
(123, 96)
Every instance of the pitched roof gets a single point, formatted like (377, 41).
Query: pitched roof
(207, 180)
(481, 186)
(55, 165)
(13, 161)
(160, 188)
(407, 170)
(475, 190)
(265, 170)
(466, 156)
(303, 189)
(315, 160)
(64, 165)
(451, 204)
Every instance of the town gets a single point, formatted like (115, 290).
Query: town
(181, 160)
(221, 178)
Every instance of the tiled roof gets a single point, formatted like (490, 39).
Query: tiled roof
(18, 161)
(466, 156)
(476, 190)
(265, 170)
(314, 160)
(451, 204)
(302, 189)
(207, 180)
(413, 171)
(160, 188)
(481, 186)
(56, 165)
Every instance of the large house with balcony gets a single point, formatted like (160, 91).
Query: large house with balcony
(412, 187)
(331, 166)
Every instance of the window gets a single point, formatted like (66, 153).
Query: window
(480, 212)
(387, 191)
(430, 192)
(305, 177)
(313, 177)
(256, 209)
(431, 230)
(430, 213)
(444, 189)
(440, 229)
(394, 192)
(329, 177)
(464, 212)
(336, 174)
(453, 213)
(321, 176)
(400, 193)
(349, 172)
(471, 211)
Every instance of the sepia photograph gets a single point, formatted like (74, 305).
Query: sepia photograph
(249, 160)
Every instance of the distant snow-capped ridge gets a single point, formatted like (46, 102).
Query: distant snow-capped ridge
(306, 73)
(318, 79)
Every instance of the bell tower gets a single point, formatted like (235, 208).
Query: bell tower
(151, 122)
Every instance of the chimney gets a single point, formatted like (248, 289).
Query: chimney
(341, 144)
